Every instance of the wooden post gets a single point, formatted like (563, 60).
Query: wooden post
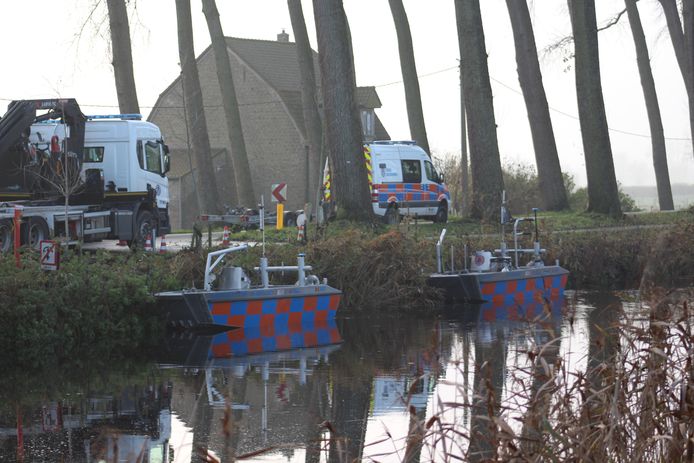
(17, 234)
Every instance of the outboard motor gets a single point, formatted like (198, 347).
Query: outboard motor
(234, 278)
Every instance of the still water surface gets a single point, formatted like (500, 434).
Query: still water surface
(364, 382)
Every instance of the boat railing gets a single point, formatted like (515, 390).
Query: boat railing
(536, 251)
(209, 266)
(300, 268)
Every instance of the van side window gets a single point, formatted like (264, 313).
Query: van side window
(431, 172)
(411, 171)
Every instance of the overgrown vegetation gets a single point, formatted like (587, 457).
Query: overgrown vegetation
(522, 188)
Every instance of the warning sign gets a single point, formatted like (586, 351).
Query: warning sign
(50, 258)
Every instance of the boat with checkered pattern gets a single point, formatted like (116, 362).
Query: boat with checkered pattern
(229, 301)
(500, 276)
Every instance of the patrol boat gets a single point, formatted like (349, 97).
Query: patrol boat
(233, 303)
(500, 276)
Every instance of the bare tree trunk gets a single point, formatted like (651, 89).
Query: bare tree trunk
(485, 163)
(464, 163)
(662, 176)
(683, 44)
(603, 195)
(122, 57)
(245, 195)
(197, 125)
(309, 99)
(415, 115)
(349, 180)
(552, 189)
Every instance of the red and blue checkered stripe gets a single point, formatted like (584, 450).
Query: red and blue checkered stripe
(275, 313)
(401, 192)
(538, 307)
(523, 291)
(254, 340)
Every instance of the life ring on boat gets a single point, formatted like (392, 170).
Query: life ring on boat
(479, 259)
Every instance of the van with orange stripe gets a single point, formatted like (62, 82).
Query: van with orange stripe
(403, 181)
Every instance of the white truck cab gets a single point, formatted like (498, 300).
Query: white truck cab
(405, 182)
(130, 153)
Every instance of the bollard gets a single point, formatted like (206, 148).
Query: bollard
(280, 216)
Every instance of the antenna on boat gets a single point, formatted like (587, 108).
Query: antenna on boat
(261, 207)
(536, 244)
(504, 218)
(264, 278)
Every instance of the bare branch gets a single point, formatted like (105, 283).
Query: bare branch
(568, 40)
(613, 21)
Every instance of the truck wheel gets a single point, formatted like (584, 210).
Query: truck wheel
(392, 216)
(441, 214)
(5, 236)
(36, 231)
(143, 227)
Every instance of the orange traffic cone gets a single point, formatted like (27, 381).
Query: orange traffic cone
(162, 246)
(148, 242)
(300, 236)
(225, 237)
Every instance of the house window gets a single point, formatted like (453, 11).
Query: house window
(94, 154)
(368, 124)
(411, 171)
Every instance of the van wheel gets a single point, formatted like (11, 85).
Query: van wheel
(36, 231)
(441, 214)
(392, 216)
(6, 239)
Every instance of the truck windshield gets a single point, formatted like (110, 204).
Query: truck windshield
(152, 156)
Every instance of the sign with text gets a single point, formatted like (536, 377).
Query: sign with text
(279, 192)
(49, 255)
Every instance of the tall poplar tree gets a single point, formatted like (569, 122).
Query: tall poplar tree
(682, 36)
(551, 180)
(195, 114)
(415, 115)
(309, 98)
(349, 181)
(245, 193)
(603, 193)
(655, 122)
(485, 162)
(122, 57)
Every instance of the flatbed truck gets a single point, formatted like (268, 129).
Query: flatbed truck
(119, 188)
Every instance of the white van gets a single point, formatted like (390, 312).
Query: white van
(403, 181)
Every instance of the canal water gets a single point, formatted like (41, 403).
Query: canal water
(353, 390)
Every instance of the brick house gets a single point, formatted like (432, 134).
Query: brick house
(267, 81)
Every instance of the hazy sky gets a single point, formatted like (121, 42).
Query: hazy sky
(42, 56)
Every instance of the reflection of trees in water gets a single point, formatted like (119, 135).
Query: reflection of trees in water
(373, 345)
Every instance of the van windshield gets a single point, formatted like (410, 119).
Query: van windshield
(431, 172)
(411, 171)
